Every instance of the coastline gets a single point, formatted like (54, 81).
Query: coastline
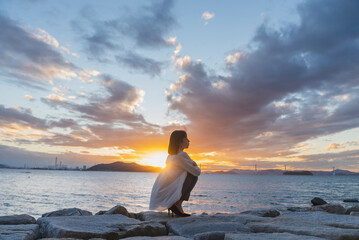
(320, 221)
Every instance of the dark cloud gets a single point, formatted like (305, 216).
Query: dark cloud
(21, 116)
(146, 28)
(26, 57)
(283, 91)
(142, 64)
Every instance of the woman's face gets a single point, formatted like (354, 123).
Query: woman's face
(185, 143)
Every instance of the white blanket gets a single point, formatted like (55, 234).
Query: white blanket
(167, 189)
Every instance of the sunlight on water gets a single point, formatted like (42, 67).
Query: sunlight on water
(35, 192)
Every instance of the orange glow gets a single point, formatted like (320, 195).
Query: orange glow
(156, 159)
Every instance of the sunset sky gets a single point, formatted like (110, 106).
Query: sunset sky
(263, 82)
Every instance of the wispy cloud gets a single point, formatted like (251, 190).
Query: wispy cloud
(207, 16)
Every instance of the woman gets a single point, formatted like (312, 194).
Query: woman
(176, 181)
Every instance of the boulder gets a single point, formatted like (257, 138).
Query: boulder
(98, 226)
(100, 212)
(318, 201)
(330, 208)
(160, 217)
(210, 236)
(268, 236)
(263, 212)
(17, 219)
(118, 210)
(303, 227)
(341, 221)
(158, 238)
(211, 225)
(351, 200)
(354, 208)
(67, 212)
(19, 232)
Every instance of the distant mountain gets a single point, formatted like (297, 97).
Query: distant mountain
(3, 166)
(306, 173)
(338, 172)
(123, 167)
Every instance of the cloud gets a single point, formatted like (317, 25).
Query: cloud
(334, 146)
(142, 64)
(147, 28)
(28, 97)
(54, 97)
(207, 15)
(284, 84)
(21, 116)
(30, 57)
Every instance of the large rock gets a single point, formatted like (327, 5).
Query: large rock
(354, 208)
(268, 236)
(211, 224)
(98, 226)
(263, 212)
(330, 208)
(118, 210)
(158, 238)
(351, 200)
(160, 217)
(318, 201)
(17, 219)
(19, 232)
(341, 221)
(303, 227)
(67, 212)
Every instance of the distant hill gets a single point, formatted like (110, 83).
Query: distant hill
(307, 173)
(338, 172)
(123, 167)
(3, 166)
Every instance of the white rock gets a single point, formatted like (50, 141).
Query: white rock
(19, 232)
(268, 236)
(98, 226)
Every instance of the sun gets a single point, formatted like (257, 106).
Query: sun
(156, 159)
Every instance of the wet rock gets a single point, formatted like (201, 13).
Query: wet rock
(303, 227)
(263, 212)
(268, 236)
(354, 214)
(298, 209)
(330, 208)
(98, 226)
(100, 212)
(17, 219)
(211, 224)
(318, 201)
(158, 238)
(67, 212)
(19, 232)
(118, 210)
(350, 200)
(354, 208)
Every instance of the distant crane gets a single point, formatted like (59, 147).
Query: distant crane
(255, 169)
(333, 171)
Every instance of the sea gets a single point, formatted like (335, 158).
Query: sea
(34, 192)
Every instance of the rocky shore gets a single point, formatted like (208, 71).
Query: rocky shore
(322, 220)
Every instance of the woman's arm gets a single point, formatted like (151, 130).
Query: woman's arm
(185, 162)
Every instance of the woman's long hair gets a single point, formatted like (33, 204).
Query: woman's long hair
(175, 141)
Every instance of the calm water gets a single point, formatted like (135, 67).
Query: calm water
(35, 192)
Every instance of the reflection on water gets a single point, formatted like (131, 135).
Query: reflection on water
(38, 191)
